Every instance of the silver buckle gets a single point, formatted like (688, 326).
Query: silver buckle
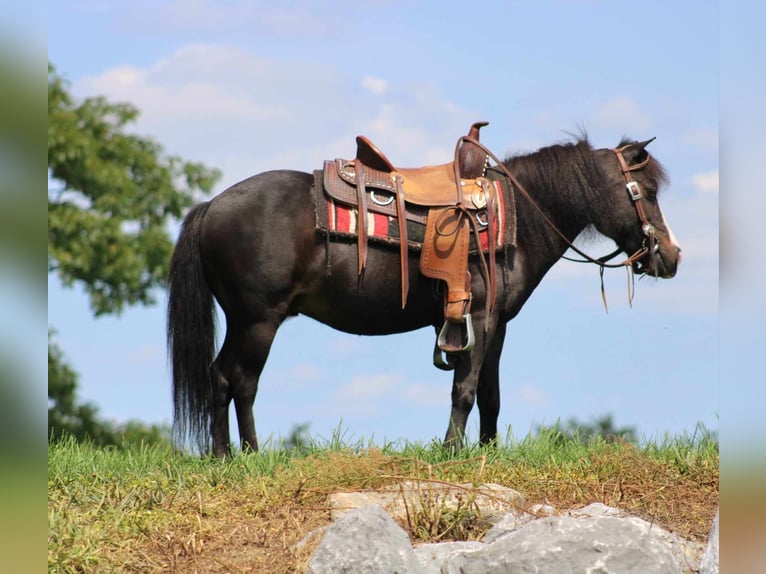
(634, 190)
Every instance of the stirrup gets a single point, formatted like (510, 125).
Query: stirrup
(444, 353)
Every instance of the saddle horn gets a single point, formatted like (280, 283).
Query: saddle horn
(471, 158)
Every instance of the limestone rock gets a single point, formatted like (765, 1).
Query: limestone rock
(434, 558)
(364, 541)
(493, 501)
(709, 562)
(597, 539)
(603, 544)
(516, 519)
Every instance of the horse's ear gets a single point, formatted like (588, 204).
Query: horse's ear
(636, 152)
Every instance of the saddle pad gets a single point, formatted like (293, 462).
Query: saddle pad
(340, 221)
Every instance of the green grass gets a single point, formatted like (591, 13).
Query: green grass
(150, 509)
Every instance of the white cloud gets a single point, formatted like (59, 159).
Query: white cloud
(706, 182)
(420, 128)
(532, 396)
(621, 113)
(244, 113)
(703, 139)
(232, 17)
(344, 344)
(377, 86)
(302, 374)
(194, 14)
(230, 108)
(194, 82)
(694, 291)
(146, 355)
(369, 387)
(694, 220)
(426, 395)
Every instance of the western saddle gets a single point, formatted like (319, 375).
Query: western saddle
(452, 200)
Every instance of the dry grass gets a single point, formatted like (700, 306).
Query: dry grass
(155, 511)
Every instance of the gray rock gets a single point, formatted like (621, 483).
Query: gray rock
(687, 553)
(540, 510)
(596, 509)
(367, 541)
(311, 537)
(596, 539)
(709, 562)
(507, 524)
(491, 501)
(436, 558)
(563, 544)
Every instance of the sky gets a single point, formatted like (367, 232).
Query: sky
(252, 86)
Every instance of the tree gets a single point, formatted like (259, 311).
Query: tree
(298, 439)
(65, 416)
(601, 428)
(69, 418)
(110, 197)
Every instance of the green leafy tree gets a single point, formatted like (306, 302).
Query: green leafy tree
(111, 195)
(298, 439)
(65, 416)
(601, 428)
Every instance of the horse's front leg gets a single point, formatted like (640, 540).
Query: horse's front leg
(488, 393)
(465, 382)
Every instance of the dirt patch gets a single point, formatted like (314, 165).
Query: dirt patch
(263, 542)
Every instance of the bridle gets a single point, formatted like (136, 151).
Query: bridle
(649, 243)
(649, 231)
(634, 191)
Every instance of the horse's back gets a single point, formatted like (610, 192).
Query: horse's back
(263, 191)
(273, 194)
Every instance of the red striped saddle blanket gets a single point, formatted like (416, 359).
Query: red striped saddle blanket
(338, 219)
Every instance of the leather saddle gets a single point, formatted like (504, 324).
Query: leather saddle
(454, 200)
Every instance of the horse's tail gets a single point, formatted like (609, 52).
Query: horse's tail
(191, 336)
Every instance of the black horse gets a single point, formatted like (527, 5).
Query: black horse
(256, 250)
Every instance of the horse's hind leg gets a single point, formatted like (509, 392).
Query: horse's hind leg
(251, 351)
(219, 430)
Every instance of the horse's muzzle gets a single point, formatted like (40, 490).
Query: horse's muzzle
(662, 262)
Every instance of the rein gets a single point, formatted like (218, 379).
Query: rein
(636, 196)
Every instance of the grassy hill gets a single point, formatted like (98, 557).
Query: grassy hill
(150, 509)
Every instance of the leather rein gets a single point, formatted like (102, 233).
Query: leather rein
(634, 191)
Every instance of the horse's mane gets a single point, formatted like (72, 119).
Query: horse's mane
(564, 169)
(567, 173)
(563, 173)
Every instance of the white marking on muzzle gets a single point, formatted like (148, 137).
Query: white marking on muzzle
(671, 235)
